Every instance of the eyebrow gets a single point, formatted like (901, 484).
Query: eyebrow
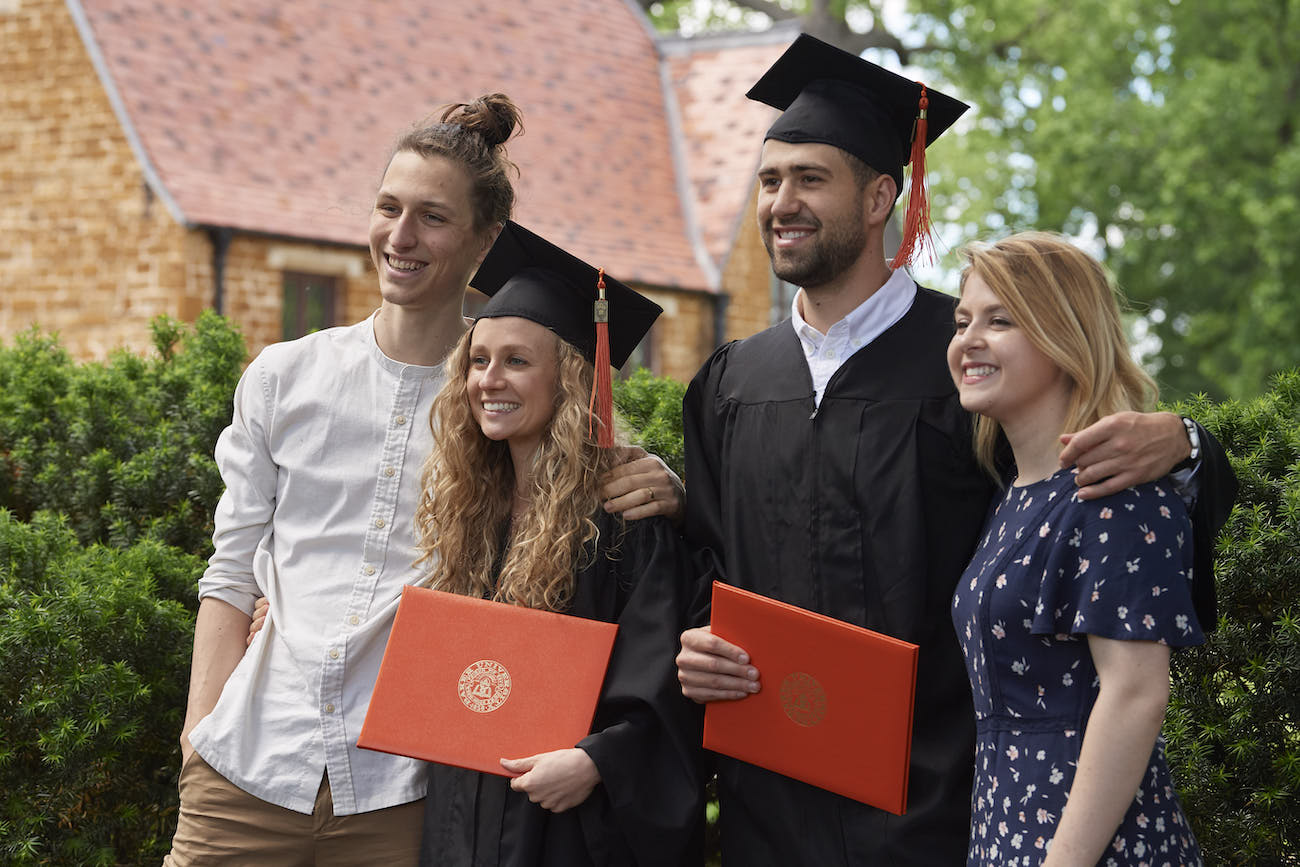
(797, 167)
(427, 203)
(509, 347)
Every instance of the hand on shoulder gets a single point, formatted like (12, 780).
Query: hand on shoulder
(1123, 450)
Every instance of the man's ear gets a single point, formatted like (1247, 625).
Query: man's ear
(489, 238)
(880, 194)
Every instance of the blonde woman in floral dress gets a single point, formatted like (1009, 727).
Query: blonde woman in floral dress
(1069, 609)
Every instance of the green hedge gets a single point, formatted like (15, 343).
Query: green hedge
(123, 449)
(107, 487)
(1234, 716)
(652, 408)
(94, 656)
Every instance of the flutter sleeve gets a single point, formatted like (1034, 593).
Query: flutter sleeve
(1121, 568)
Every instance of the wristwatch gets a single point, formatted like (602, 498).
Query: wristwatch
(1194, 438)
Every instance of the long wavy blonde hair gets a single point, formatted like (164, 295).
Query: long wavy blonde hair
(468, 487)
(1068, 307)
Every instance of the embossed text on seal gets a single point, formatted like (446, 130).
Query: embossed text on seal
(484, 686)
(803, 699)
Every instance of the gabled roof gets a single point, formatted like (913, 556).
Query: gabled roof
(722, 130)
(277, 117)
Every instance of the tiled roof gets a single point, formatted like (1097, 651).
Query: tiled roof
(277, 117)
(722, 130)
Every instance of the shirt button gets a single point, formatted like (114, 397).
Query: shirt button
(354, 620)
(389, 471)
(329, 708)
(334, 654)
(370, 570)
(379, 522)
(401, 419)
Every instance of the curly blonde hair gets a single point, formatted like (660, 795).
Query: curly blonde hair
(468, 485)
(1068, 306)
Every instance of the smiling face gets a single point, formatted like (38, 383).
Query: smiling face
(423, 239)
(512, 382)
(998, 371)
(811, 212)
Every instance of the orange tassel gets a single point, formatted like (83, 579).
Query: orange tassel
(601, 408)
(916, 225)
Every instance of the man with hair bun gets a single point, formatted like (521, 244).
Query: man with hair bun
(321, 464)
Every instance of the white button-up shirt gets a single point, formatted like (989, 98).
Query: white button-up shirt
(322, 465)
(826, 353)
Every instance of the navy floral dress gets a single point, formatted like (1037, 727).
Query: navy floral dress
(1051, 570)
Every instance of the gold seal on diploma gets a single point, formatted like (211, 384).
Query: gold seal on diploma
(484, 686)
(803, 699)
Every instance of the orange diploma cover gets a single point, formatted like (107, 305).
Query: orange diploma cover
(835, 709)
(468, 682)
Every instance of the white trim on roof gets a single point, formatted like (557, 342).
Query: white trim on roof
(119, 108)
(780, 32)
(685, 192)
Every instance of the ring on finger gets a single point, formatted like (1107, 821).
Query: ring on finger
(650, 494)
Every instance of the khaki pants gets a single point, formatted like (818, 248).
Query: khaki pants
(221, 824)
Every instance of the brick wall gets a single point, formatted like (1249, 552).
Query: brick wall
(683, 335)
(254, 289)
(87, 249)
(747, 279)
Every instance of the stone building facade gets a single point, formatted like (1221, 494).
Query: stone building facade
(111, 215)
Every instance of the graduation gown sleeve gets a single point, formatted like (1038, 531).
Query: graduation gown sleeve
(646, 734)
(1215, 495)
(702, 436)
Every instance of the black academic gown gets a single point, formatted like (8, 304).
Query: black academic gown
(648, 809)
(865, 508)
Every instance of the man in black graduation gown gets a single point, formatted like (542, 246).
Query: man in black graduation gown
(830, 462)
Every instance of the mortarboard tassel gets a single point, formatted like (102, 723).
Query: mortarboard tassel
(601, 408)
(916, 225)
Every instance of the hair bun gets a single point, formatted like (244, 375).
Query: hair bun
(493, 116)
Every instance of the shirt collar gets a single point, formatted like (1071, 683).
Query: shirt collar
(887, 303)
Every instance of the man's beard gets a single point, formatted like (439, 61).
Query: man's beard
(834, 250)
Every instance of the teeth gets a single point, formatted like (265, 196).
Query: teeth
(789, 235)
(404, 264)
(981, 370)
(499, 406)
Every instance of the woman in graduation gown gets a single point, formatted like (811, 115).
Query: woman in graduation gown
(511, 512)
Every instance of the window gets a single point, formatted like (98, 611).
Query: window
(309, 302)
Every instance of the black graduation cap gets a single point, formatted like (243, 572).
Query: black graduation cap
(527, 276)
(833, 97)
(829, 96)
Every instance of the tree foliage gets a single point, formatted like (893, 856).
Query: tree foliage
(1165, 129)
(1168, 129)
